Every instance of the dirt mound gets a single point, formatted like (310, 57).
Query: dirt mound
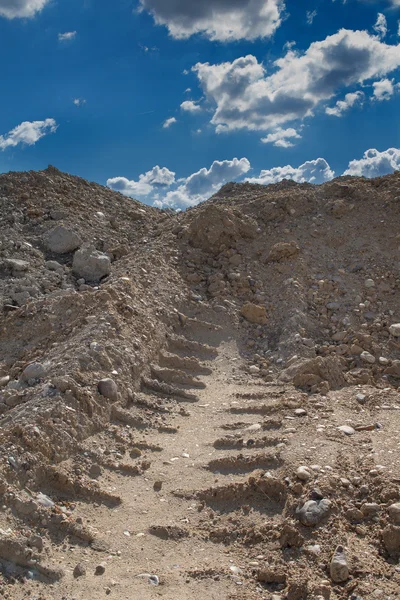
(132, 342)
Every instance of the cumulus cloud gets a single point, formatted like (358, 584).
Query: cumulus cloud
(222, 20)
(12, 9)
(383, 90)
(190, 106)
(158, 177)
(313, 171)
(67, 36)
(27, 133)
(168, 122)
(380, 26)
(204, 183)
(281, 137)
(342, 106)
(375, 163)
(245, 97)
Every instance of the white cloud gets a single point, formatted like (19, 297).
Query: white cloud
(281, 137)
(12, 9)
(380, 26)
(342, 106)
(158, 177)
(225, 20)
(67, 36)
(204, 183)
(313, 171)
(79, 101)
(27, 133)
(190, 106)
(311, 14)
(384, 89)
(375, 163)
(246, 97)
(168, 122)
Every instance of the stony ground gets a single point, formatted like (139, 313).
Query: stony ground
(202, 404)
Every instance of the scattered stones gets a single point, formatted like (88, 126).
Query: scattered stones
(254, 313)
(61, 240)
(108, 388)
(314, 511)
(339, 568)
(91, 265)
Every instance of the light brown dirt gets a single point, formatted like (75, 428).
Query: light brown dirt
(185, 484)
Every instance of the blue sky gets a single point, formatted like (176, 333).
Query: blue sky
(167, 100)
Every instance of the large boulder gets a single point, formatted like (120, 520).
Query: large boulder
(214, 228)
(254, 313)
(61, 240)
(91, 265)
(282, 251)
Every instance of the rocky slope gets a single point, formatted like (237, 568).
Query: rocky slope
(200, 403)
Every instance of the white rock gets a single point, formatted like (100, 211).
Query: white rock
(383, 361)
(395, 329)
(369, 283)
(347, 430)
(91, 265)
(254, 369)
(62, 240)
(367, 357)
(303, 473)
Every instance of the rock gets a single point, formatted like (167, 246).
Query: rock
(61, 240)
(53, 265)
(394, 369)
(79, 571)
(15, 265)
(300, 412)
(395, 330)
(254, 370)
(369, 283)
(361, 398)
(391, 539)
(157, 486)
(95, 471)
(91, 265)
(303, 473)
(100, 569)
(339, 568)
(370, 509)
(394, 513)
(108, 388)
(313, 512)
(33, 371)
(347, 430)
(367, 357)
(254, 313)
(283, 250)
(272, 574)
